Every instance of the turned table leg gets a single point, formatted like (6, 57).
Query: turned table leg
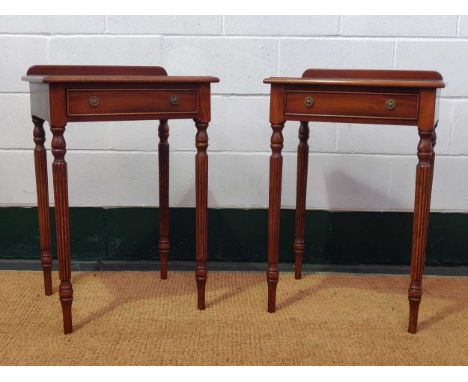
(424, 175)
(201, 230)
(40, 162)
(163, 156)
(276, 164)
(301, 192)
(59, 168)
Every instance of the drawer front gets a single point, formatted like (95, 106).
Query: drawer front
(91, 102)
(352, 104)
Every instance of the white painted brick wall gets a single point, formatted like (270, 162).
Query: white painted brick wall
(392, 26)
(240, 62)
(298, 54)
(282, 25)
(352, 167)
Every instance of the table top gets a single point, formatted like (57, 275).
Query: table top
(363, 77)
(107, 74)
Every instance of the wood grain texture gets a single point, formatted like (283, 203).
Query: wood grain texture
(301, 194)
(364, 77)
(383, 74)
(96, 70)
(61, 94)
(42, 188)
(163, 158)
(353, 96)
(131, 101)
(422, 202)
(60, 176)
(148, 79)
(357, 104)
(201, 180)
(274, 208)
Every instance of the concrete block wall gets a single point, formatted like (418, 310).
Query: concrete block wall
(352, 167)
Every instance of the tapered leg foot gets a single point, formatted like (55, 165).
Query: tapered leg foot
(298, 254)
(201, 277)
(272, 281)
(414, 298)
(46, 262)
(66, 299)
(163, 260)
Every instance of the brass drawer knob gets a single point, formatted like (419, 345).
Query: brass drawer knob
(174, 100)
(93, 101)
(390, 104)
(309, 101)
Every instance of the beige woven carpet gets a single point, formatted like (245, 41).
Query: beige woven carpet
(133, 318)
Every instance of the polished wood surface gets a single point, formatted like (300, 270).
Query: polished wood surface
(375, 74)
(201, 213)
(95, 70)
(301, 194)
(131, 101)
(352, 96)
(352, 104)
(42, 188)
(163, 158)
(364, 77)
(60, 94)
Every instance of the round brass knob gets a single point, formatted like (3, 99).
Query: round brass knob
(390, 104)
(174, 100)
(93, 101)
(309, 101)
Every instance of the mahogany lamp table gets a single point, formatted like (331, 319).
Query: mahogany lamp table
(62, 94)
(353, 96)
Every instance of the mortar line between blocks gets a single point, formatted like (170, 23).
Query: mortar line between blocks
(233, 37)
(234, 152)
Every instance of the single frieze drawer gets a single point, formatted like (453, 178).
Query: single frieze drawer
(352, 104)
(88, 102)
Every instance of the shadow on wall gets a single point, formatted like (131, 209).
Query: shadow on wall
(368, 237)
(345, 192)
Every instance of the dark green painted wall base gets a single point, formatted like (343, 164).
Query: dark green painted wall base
(241, 235)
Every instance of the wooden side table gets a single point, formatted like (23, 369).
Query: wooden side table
(61, 94)
(353, 96)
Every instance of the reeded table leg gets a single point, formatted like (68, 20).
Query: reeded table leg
(40, 162)
(424, 175)
(201, 179)
(276, 165)
(59, 168)
(163, 154)
(301, 192)
(434, 141)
